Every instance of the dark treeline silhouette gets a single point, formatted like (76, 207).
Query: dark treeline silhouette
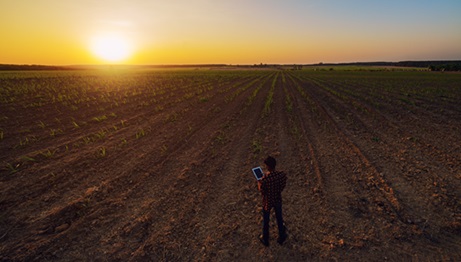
(30, 67)
(446, 67)
(454, 65)
(12, 67)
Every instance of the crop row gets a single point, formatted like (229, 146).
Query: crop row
(67, 111)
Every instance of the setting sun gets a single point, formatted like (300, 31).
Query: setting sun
(144, 32)
(111, 48)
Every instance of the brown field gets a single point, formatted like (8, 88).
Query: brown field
(156, 164)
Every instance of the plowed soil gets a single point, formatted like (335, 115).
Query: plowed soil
(145, 165)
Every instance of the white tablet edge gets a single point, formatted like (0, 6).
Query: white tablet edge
(254, 173)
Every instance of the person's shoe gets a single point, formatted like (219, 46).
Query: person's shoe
(281, 239)
(264, 241)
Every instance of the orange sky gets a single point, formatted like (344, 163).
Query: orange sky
(230, 32)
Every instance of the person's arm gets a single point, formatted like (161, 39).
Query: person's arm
(260, 183)
(284, 181)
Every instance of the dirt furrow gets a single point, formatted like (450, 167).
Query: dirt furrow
(354, 189)
(192, 186)
(383, 182)
(415, 161)
(414, 122)
(127, 178)
(285, 139)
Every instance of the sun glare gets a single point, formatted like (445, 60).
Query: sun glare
(111, 48)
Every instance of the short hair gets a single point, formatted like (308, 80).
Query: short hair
(270, 162)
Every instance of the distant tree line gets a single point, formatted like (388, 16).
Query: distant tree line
(6, 67)
(449, 65)
(431, 65)
(12, 67)
(446, 67)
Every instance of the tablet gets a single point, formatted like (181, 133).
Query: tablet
(258, 172)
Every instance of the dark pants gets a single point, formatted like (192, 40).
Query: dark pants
(278, 216)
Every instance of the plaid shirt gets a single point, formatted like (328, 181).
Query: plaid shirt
(271, 189)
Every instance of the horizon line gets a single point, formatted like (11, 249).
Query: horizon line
(234, 64)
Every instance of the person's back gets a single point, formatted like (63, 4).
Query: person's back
(272, 186)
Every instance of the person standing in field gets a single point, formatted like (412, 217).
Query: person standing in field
(271, 187)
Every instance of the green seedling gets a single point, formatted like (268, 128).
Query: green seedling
(48, 153)
(220, 138)
(100, 118)
(25, 131)
(267, 105)
(102, 152)
(269, 99)
(28, 159)
(172, 117)
(164, 149)
(24, 142)
(87, 140)
(140, 133)
(55, 132)
(295, 131)
(12, 168)
(101, 134)
(257, 147)
(289, 104)
(41, 124)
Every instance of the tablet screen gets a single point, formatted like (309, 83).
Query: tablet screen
(258, 172)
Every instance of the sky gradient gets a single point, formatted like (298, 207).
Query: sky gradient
(55, 32)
